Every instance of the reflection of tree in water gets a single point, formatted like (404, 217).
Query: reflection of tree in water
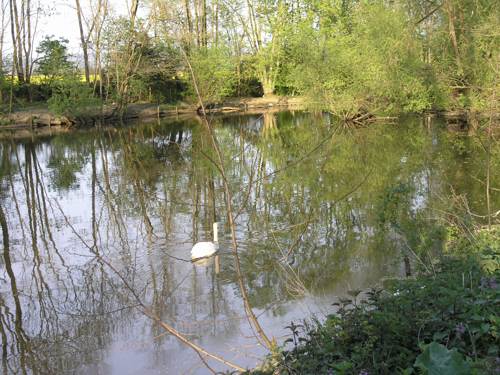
(343, 235)
(41, 335)
(72, 306)
(145, 194)
(65, 162)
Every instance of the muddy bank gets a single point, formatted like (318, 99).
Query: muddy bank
(42, 120)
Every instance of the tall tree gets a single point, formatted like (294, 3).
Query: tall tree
(4, 24)
(84, 39)
(24, 23)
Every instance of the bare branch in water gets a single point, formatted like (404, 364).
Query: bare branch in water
(144, 309)
(219, 164)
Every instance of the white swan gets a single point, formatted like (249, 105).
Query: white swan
(206, 249)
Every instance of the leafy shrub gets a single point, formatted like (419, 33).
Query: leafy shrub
(70, 96)
(485, 243)
(54, 59)
(446, 323)
(214, 71)
(369, 63)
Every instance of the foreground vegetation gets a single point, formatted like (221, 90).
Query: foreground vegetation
(346, 56)
(443, 322)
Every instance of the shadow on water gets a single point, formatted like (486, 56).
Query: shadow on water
(318, 211)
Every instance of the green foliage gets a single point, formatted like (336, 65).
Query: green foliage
(155, 79)
(381, 57)
(486, 69)
(248, 83)
(70, 96)
(54, 62)
(215, 74)
(465, 67)
(139, 67)
(348, 57)
(437, 359)
(484, 243)
(64, 166)
(367, 60)
(443, 323)
(399, 212)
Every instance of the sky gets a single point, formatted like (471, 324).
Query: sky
(61, 22)
(59, 19)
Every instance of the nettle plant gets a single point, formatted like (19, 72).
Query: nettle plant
(445, 323)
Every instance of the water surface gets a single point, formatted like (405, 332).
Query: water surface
(321, 210)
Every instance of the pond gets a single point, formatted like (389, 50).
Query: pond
(96, 220)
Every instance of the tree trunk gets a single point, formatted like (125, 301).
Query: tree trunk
(268, 84)
(84, 42)
(2, 39)
(22, 38)
(215, 24)
(204, 38)
(28, 43)
(16, 42)
(133, 10)
(450, 11)
(189, 22)
(197, 22)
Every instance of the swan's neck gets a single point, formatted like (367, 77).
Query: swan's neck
(216, 232)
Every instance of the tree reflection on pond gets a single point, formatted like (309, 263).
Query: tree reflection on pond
(316, 217)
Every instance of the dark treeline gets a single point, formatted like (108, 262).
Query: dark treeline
(346, 56)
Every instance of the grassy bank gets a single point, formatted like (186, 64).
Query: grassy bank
(443, 322)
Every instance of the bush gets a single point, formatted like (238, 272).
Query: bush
(215, 74)
(485, 244)
(446, 323)
(370, 63)
(71, 97)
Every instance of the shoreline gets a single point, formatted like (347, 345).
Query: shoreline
(40, 121)
(35, 119)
